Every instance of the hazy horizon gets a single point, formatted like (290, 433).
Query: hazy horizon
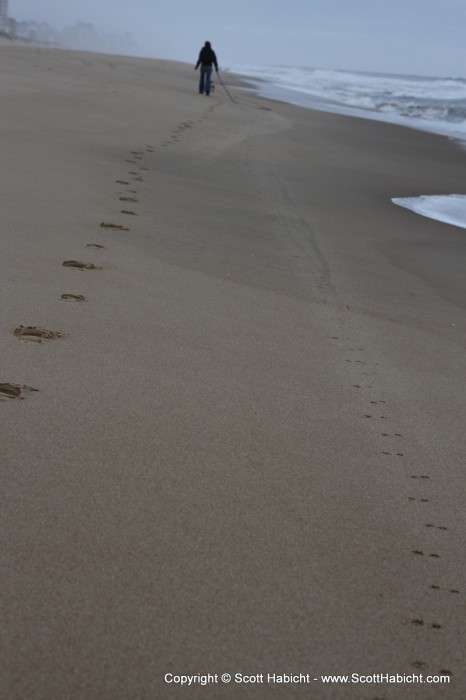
(414, 37)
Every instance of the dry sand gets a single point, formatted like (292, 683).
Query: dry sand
(246, 449)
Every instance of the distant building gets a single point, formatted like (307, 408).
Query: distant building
(81, 37)
(3, 15)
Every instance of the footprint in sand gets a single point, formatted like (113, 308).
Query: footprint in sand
(419, 552)
(80, 265)
(446, 590)
(129, 199)
(437, 527)
(14, 391)
(115, 227)
(73, 297)
(417, 622)
(36, 333)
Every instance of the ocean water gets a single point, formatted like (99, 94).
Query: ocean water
(432, 104)
(449, 208)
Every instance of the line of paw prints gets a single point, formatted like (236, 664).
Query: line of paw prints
(37, 334)
(366, 371)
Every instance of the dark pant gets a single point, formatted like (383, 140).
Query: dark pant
(204, 83)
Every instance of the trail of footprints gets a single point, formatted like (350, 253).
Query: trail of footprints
(37, 334)
(177, 132)
(182, 127)
(377, 413)
(376, 407)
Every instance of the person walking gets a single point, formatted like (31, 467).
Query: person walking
(206, 59)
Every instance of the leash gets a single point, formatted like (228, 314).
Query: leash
(225, 87)
(266, 109)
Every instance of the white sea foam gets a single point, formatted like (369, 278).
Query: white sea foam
(431, 104)
(450, 208)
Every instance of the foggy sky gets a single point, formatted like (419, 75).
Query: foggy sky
(423, 37)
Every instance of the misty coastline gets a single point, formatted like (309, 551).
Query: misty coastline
(80, 36)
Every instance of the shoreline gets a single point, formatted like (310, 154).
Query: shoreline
(267, 90)
(272, 93)
(247, 444)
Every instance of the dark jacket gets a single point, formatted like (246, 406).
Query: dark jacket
(207, 57)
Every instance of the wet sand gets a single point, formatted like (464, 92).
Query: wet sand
(245, 451)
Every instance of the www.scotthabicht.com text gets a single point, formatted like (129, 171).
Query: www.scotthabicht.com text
(304, 678)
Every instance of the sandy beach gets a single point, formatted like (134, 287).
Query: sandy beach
(244, 451)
